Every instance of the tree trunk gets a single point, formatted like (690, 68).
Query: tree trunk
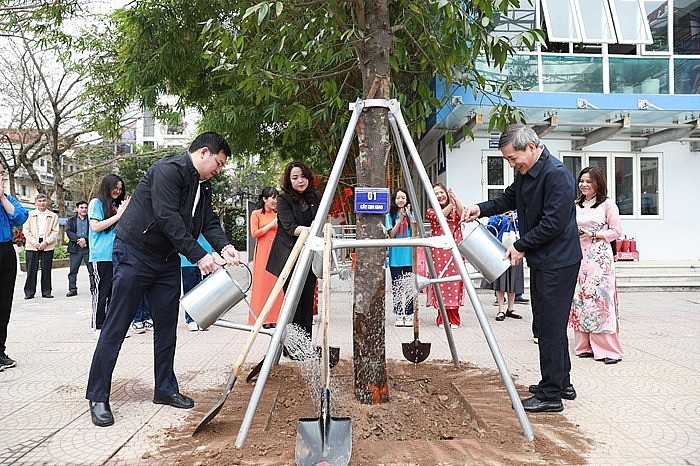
(373, 136)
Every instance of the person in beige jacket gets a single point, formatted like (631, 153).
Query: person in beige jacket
(41, 232)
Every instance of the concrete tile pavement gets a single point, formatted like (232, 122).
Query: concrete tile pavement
(641, 411)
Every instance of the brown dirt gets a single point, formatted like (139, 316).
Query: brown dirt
(436, 415)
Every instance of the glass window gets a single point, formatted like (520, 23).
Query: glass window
(517, 21)
(562, 24)
(494, 193)
(633, 180)
(624, 182)
(572, 73)
(596, 22)
(573, 163)
(494, 175)
(599, 162)
(592, 21)
(148, 124)
(497, 174)
(649, 184)
(687, 75)
(633, 75)
(630, 21)
(686, 27)
(657, 16)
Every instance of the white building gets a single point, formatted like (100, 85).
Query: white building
(613, 88)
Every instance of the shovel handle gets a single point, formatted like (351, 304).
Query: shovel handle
(325, 350)
(414, 265)
(288, 266)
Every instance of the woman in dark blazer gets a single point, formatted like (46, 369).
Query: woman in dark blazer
(296, 209)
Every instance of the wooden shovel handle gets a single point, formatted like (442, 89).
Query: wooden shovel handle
(288, 266)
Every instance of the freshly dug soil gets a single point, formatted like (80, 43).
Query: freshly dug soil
(437, 414)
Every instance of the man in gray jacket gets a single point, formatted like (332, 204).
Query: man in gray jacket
(169, 209)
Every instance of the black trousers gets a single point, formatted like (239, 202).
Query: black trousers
(102, 294)
(137, 274)
(8, 275)
(33, 260)
(77, 258)
(551, 294)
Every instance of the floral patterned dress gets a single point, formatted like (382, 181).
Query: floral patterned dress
(594, 306)
(452, 292)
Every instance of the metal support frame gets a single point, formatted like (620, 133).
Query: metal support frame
(602, 133)
(296, 281)
(667, 135)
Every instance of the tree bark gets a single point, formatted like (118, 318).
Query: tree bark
(373, 136)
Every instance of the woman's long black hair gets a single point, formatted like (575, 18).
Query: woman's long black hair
(309, 195)
(109, 182)
(266, 192)
(393, 208)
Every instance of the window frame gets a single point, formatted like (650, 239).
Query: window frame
(508, 173)
(636, 177)
(614, 19)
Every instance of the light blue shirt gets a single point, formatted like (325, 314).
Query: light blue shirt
(102, 242)
(400, 256)
(202, 242)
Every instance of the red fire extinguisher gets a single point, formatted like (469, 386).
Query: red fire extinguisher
(633, 245)
(625, 245)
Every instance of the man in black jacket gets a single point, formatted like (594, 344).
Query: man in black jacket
(543, 194)
(169, 209)
(77, 230)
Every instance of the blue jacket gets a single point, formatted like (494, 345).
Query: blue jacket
(544, 198)
(501, 224)
(8, 221)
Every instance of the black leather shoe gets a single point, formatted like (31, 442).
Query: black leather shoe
(611, 361)
(176, 400)
(521, 301)
(513, 315)
(101, 414)
(587, 354)
(47, 296)
(533, 405)
(72, 293)
(567, 393)
(29, 297)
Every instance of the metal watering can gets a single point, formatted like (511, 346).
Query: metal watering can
(213, 296)
(483, 250)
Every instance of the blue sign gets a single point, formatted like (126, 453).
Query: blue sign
(371, 200)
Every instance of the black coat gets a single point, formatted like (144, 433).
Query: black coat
(544, 198)
(289, 217)
(72, 233)
(159, 220)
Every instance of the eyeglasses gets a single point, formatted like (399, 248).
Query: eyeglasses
(219, 162)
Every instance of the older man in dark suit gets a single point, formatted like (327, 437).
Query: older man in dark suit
(543, 194)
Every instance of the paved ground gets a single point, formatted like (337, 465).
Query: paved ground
(644, 410)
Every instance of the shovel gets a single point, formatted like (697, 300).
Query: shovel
(291, 260)
(324, 440)
(415, 351)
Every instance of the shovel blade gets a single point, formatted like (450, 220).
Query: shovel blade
(416, 351)
(324, 440)
(217, 407)
(313, 449)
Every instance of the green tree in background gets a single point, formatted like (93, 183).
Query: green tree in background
(281, 74)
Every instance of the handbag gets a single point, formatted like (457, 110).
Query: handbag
(510, 236)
